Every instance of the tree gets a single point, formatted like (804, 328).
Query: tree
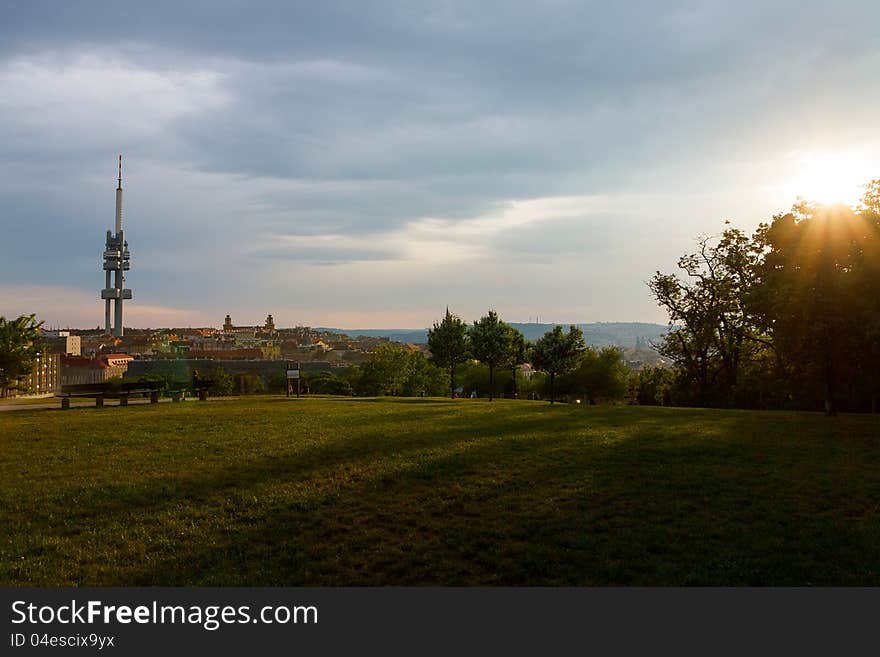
(278, 382)
(817, 296)
(20, 345)
(222, 382)
(789, 318)
(651, 386)
(490, 344)
(517, 354)
(557, 353)
(868, 284)
(423, 377)
(472, 376)
(599, 374)
(449, 345)
(710, 317)
(384, 372)
(326, 383)
(392, 369)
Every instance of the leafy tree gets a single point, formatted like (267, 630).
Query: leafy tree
(327, 383)
(538, 383)
(352, 376)
(114, 383)
(817, 295)
(449, 345)
(385, 371)
(557, 353)
(652, 386)
(599, 374)
(490, 344)
(222, 382)
(789, 318)
(710, 314)
(423, 377)
(20, 345)
(473, 376)
(165, 381)
(278, 382)
(867, 285)
(392, 369)
(870, 205)
(517, 354)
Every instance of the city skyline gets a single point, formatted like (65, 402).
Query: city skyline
(365, 168)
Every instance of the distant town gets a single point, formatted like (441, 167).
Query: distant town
(250, 352)
(252, 357)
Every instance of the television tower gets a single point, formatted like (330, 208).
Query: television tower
(117, 260)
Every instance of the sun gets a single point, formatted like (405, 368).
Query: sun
(831, 178)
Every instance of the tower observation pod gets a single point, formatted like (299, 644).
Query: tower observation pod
(117, 260)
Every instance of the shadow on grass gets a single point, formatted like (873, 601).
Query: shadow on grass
(582, 496)
(484, 515)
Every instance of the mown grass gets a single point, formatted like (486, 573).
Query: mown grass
(269, 491)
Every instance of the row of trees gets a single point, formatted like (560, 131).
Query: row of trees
(562, 356)
(483, 358)
(788, 317)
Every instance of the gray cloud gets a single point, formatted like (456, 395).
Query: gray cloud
(341, 130)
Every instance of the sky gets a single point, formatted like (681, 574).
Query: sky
(367, 164)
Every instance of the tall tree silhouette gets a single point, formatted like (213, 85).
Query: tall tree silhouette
(449, 345)
(557, 353)
(490, 344)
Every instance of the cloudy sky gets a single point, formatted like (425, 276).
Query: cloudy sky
(364, 164)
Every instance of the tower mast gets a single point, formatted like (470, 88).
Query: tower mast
(117, 260)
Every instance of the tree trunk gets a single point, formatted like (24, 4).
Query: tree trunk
(452, 382)
(491, 381)
(515, 395)
(830, 404)
(552, 396)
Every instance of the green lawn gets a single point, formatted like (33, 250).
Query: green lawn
(269, 491)
(27, 401)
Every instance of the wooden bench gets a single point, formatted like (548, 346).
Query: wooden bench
(101, 391)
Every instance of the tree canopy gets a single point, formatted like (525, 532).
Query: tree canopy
(711, 326)
(817, 296)
(598, 374)
(557, 353)
(517, 354)
(20, 345)
(490, 344)
(786, 318)
(392, 369)
(449, 345)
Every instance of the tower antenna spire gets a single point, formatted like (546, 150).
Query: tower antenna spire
(117, 261)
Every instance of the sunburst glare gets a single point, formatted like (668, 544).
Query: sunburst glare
(829, 178)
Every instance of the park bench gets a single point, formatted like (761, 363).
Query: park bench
(201, 389)
(102, 391)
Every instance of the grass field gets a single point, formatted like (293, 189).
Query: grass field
(269, 491)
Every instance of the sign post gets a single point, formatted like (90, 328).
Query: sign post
(292, 373)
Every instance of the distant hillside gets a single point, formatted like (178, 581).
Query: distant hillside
(600, 334)
(415, 336)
